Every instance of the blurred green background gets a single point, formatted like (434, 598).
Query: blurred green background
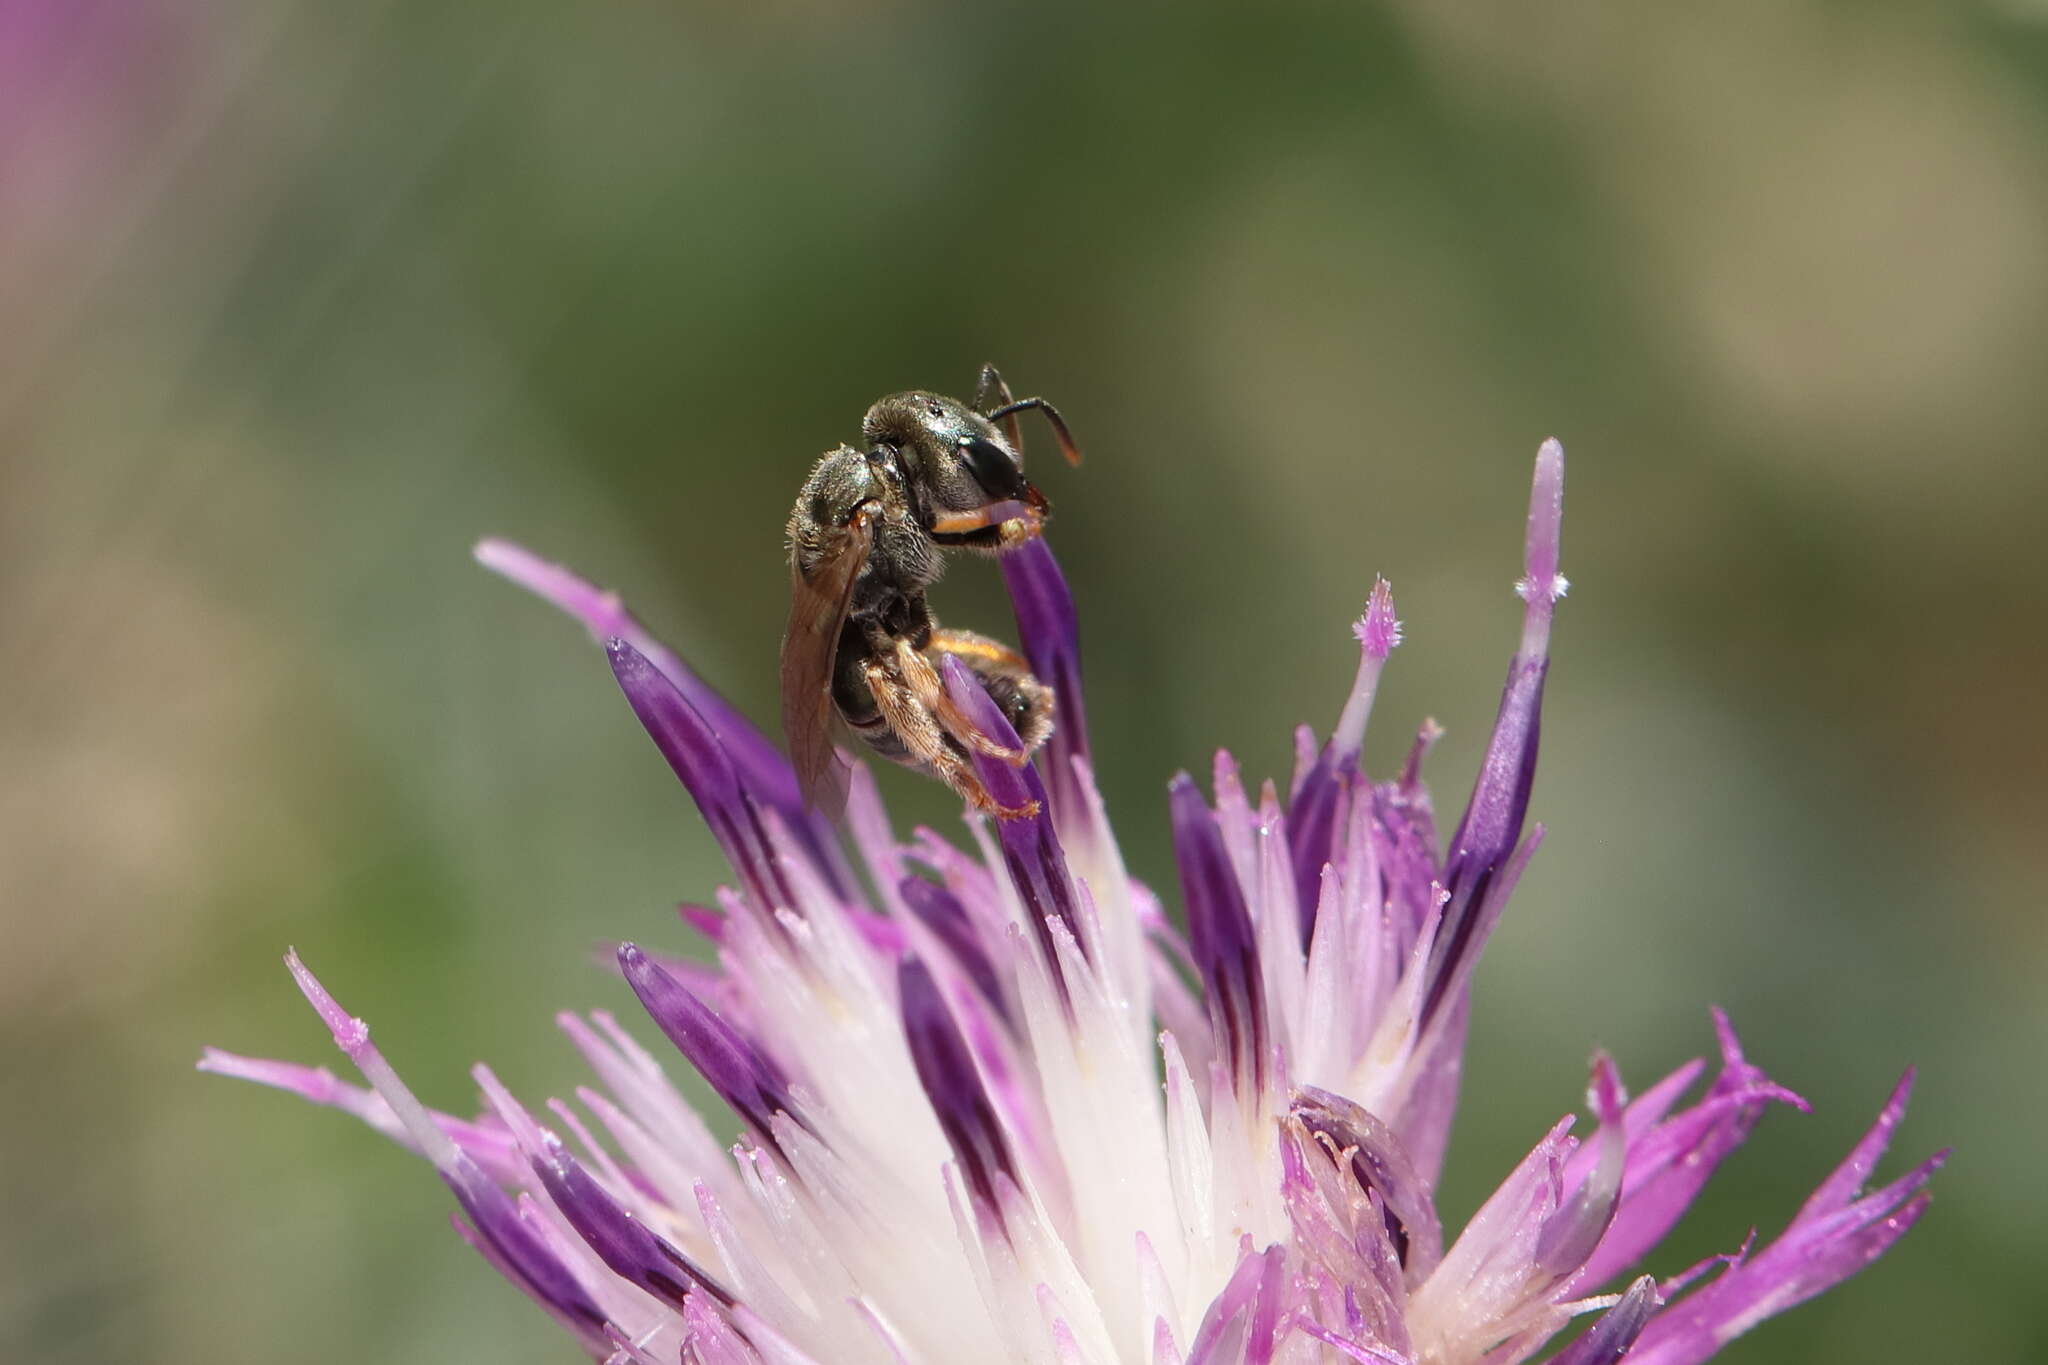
(300, 299)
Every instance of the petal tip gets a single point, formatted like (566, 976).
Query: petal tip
(350, 1034)
(1605, 1094)
(1541, 584)
(1724, 1034)
(497, 554)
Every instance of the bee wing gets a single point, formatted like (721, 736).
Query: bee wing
(817, 609)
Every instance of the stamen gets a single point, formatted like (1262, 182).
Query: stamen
(945, 1068)
(1220, 933)
(1312, 816)
(1371, 1155)
(744, 1076)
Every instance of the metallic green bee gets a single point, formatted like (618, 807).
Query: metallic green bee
(867, 537)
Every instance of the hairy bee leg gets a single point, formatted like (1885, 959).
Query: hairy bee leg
(1011, 531)
(994, 659)
(924, 684)
(920, 732)
(988, 652)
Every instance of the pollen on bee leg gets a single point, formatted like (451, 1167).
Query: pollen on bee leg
(923, 682)
(1017, 530)
(1004, 515)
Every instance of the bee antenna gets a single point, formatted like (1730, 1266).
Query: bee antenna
(1052, 415)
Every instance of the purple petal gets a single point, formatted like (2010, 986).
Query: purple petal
(1312, 822)
(1451, 970)
(489, 1146)
(1641, 1118)
(940, 911)
(705, 919)
(499, 1232)
(762, 770)
(1670, 1161)
(946, 1070)
(1840, 1188)
(1242, 1324)
(494, 1216)
(1031, 850)
(1008, 784)
(1834, 1235)
(576, 1321)
(1220, 934)
(710, 1340)
(1374, 1159)
(1424, 1121)
(1612, 1336)
(620, 1240)
(1404, 831)
(1342, 1232)
(691, 747)
(745, 1077)
(1492, 824)
(705, 980)
(1050, 634)
(1489, 1274)
(1363, 1352)
(1585, 1214)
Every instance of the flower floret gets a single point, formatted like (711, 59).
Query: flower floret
(994, 1105)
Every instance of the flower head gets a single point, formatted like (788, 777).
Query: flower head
(994, 1105)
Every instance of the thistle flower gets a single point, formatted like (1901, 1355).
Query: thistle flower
(994, 1105)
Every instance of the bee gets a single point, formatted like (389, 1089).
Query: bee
(867, 538)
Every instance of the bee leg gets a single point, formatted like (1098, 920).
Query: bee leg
(1028, 703)
(919, 730)
(980, 530)
(924, 684)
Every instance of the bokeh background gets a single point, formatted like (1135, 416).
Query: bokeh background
(298, 299)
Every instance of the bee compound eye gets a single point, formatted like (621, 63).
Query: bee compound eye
(994, 468)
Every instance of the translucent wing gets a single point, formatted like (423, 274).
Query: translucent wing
(817, 609)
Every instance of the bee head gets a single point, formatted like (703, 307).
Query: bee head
(956, 458)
